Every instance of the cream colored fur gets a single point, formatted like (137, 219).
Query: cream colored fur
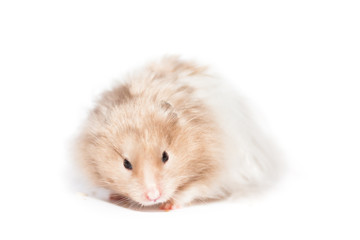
(214, 147)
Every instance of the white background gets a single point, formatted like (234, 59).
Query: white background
(297, 63)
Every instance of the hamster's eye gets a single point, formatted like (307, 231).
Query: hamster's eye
(165, 157)
(127, 164)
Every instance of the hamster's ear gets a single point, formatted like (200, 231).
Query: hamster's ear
(169, 110)
(165, 105)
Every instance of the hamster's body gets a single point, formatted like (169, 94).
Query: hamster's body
(173, 134)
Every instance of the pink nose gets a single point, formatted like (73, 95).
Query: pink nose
(153, 194)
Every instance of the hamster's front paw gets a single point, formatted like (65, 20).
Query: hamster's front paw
(116, 198)
(167, 206)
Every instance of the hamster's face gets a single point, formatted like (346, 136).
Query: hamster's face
(142, 169)
(146, 169)
(146, 161)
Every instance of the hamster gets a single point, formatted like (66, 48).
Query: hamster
(172, 134)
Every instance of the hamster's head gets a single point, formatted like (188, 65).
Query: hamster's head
(146, 153)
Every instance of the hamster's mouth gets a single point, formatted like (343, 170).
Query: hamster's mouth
(163, 199)
(129, 202)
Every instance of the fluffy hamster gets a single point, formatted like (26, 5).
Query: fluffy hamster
(172, 134)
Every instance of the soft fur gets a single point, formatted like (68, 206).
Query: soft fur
(175, 106)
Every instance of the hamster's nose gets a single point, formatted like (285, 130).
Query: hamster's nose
(153, 194)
